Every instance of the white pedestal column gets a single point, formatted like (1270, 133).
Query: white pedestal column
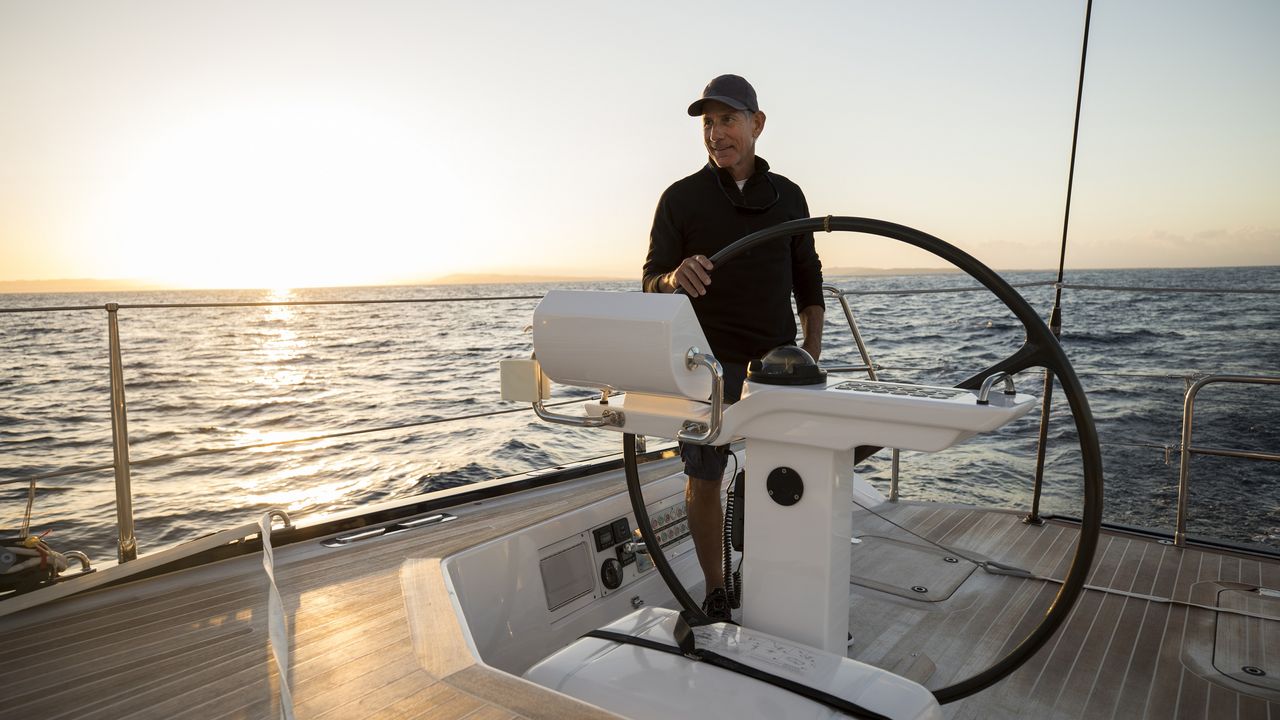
(795, 568)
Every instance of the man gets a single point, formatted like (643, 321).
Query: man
(747, 311)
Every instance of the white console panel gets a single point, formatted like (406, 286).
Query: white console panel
(539, 589)
(646, 684)
(844, 414)
(835, 416)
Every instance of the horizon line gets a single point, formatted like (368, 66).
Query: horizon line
(64, 285)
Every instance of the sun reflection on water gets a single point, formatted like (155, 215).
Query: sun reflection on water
(281, 345)
(276, 490)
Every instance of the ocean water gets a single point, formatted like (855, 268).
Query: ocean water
(207, 378)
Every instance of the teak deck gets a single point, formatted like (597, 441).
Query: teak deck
(194, 643)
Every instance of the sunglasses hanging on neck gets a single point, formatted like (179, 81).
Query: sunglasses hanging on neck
(739, 199)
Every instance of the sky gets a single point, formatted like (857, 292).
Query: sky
(290, 144)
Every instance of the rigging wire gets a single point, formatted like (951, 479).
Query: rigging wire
(1055, 315)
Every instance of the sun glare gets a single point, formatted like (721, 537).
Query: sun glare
(275, 196)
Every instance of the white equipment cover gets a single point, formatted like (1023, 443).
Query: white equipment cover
(621, 341)
(647, 684)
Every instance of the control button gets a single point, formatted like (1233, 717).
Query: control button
(611, 574)
(604, 538)
(643, 563)
(621, 529)
(625, 556)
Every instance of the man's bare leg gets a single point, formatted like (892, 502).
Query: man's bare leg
(706, 525)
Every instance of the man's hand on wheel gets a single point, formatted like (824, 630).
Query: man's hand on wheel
(693, 275)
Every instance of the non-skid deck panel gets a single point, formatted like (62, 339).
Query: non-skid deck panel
(193, 644)
(1116, 656)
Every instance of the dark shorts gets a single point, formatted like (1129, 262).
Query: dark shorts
(706, 462)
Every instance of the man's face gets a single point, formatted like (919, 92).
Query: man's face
(730, 136)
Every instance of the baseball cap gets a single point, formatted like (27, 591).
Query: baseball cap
(732, 90)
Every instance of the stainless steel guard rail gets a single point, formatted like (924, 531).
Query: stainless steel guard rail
(870, 368)
(127, 542)
(1184, 466)
(127, 547)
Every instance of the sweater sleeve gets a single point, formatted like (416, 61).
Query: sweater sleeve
(806, 267)
(664, 245)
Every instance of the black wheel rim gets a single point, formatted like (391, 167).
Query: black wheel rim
(1040, 349)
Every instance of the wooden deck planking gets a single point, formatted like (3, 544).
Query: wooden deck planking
(1080, 678)
(1116, 656)
(141, 695)
(128, 630)
(122, 647)
(376, 699)
(1251, 708)
(349, 640)
(199, 651)
(522, 696)
(1196, 691)
(971, 642)
(441, 700)
(995, 642)
(1110, 682)
(1270, 575)
(163, 675)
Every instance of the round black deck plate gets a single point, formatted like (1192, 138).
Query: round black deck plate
(784, 486)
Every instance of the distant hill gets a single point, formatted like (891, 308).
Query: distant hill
(493, 278)
(882, 272)
(490, 279)
(71, 285)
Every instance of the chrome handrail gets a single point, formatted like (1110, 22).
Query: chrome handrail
(1184, 465)
(984, 393)
(613, 418)
(696, 432)
(853, 327)
(121, 463)
(870, 368)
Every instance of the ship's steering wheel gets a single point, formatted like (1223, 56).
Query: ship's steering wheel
(1040, 349)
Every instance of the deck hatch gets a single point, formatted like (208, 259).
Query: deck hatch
(908, 570)
(1247, 649)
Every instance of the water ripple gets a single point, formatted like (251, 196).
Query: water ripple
(219, 377)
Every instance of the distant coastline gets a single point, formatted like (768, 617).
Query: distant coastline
(76, 285)
(492, 278)
(79, 285)
(512, 279)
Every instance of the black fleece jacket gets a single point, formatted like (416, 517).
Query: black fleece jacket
(747, 309)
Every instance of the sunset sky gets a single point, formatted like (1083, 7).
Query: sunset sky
(270, 144)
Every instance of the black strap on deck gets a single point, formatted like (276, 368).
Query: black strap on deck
(693, 653)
